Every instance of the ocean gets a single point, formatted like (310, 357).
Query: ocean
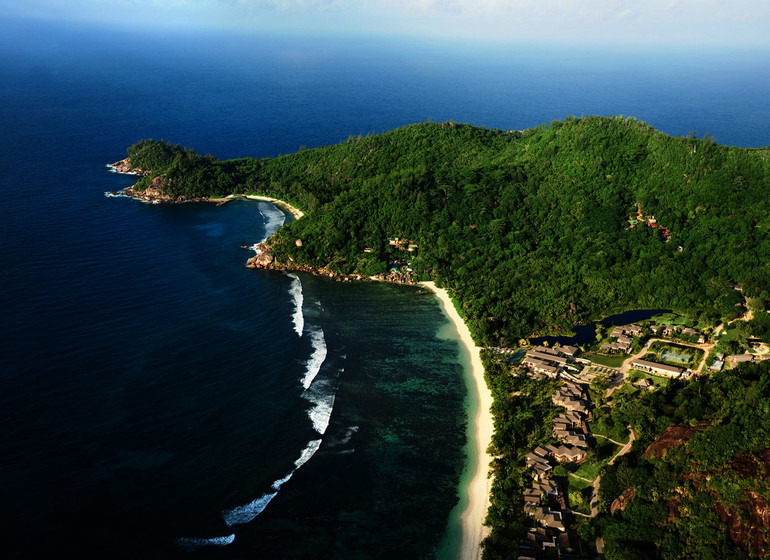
(160, 400)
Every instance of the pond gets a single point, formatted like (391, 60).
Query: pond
(587, 333)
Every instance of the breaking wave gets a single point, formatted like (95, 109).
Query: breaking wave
(307, 453)
(246, 513)
(296, 296)
(273, 218)
(316, 359)
(121, 194)
(116, 194)
(323, 403)
(191, 544)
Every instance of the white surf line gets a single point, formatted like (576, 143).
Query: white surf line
(322, 400)
(273, 217)
(193, 543)
(244, 514)
(316, 359)
(295, 290)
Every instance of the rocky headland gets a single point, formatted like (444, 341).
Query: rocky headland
(266, 261)
(154, 191)
(124, 166)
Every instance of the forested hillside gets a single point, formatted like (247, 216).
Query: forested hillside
(700, 490)
(531, 230)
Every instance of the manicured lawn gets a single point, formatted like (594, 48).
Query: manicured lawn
(636, 375)
(577, 483)
(670, 319)
(728, 335)
(617, 433)
(614, 361)
(578, 494)
(588, 470)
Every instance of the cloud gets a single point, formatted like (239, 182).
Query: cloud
(694, 21)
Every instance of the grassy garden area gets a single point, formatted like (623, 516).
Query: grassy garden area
(609, 360)
(602, 424)
(588, 469)
(674, 320)
(578, 494)
(635, 375)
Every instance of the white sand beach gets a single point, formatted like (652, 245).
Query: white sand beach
(296, 212)
(473, 530)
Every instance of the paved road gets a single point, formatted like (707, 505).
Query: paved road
(625, 367)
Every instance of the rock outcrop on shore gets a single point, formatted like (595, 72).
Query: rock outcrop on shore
(154, 191)
(124, 166)
(263, 259)
(266, 261)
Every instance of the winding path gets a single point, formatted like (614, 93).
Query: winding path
(595, 496)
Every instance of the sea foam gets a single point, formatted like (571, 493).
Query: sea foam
(246, 513)
(316, 359)
(348, 435)
(296, 296)
(191, 544)
(322, 399)
(116, 194)
(307, 453)
(121, 194)
(273, 218)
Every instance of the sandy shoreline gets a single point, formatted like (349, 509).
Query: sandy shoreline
(296, 212)
(472, 519)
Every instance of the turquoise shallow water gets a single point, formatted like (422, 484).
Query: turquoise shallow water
(203, 408)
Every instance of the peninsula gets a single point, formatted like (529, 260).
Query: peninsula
(535, 232)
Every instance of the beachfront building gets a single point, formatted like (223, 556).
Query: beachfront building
(569, 454)
(578, 439)
(570, 351)
(538, 462)
(570, 428)
(553, 362)
(657, 369)
(541, 366)
(571, 397)
(537, 540)
(552, 358)
(569, 418)
(537, 456)
(622, 344)
(624, 338)
(542, 471)
(569, 547)
(547, 517)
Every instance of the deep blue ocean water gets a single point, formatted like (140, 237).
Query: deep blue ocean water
(154, 393)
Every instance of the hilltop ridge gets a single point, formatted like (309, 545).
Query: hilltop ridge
(531, 230)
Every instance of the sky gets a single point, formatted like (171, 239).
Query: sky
(694, 23)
